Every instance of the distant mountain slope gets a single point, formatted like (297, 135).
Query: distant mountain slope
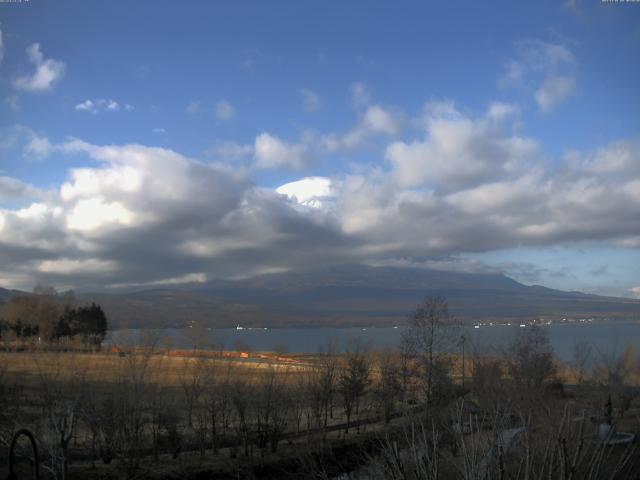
(353, 295)
(6, 295)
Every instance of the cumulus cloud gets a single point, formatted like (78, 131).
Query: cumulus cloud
(310, 100)
(47, 72)
(14, 189)
(38, 147)
(546, 70)
(620, 157)
(273, 152)
(140, 215)
(375, 120)
(553, 91)
(458, 150)
(34, 145)
(102, 105)
(230, 150)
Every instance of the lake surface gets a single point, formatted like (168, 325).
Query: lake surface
(606, 337)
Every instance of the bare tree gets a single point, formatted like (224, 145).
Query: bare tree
(321, 384)
(63, 388)
(488, 383)
(582, 356)
(134, 375)
(218, 398)
(388, 387)
(354, 381)
(241, 398)
(192, 382)
(271, 407)
(431, 332)
(531, 363)
(614, 370)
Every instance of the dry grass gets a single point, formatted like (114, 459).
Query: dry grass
(162, 368)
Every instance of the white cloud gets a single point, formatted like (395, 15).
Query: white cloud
(574, 7)
(184, 279)
(98, 105)
(619, 158)
(225, 111)
(230, 150)
(311, 101)
(159, 130)
(70, 266)
(537, 55)
(514, 73)
(553, 91)
(635, 291)
(500, 111)
(273, 152)
(379, 120)
(459, 150)
(89, 215)
(543, 69)
(374, 120)
(629, 242)
(38, 147)
(158, 217)
(13, 189)
(87, 106)
(465, 184)
(47, 72)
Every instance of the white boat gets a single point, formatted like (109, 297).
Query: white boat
(522, 325)
(238, 327)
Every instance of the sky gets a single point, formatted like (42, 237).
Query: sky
(157, 143)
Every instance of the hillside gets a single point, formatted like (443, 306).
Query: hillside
(354, 295)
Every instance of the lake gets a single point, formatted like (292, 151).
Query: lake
(606, 337)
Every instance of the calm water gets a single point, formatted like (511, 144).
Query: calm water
(605, 337)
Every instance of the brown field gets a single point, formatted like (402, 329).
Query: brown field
(191, 411)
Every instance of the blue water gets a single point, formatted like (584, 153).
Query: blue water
(606, 338)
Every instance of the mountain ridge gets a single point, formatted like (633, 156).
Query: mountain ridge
(348, 296)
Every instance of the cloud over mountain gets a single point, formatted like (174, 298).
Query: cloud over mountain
(143, 215)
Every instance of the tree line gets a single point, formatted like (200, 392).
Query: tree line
(50, 316)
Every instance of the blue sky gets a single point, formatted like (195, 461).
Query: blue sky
(472, 136)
